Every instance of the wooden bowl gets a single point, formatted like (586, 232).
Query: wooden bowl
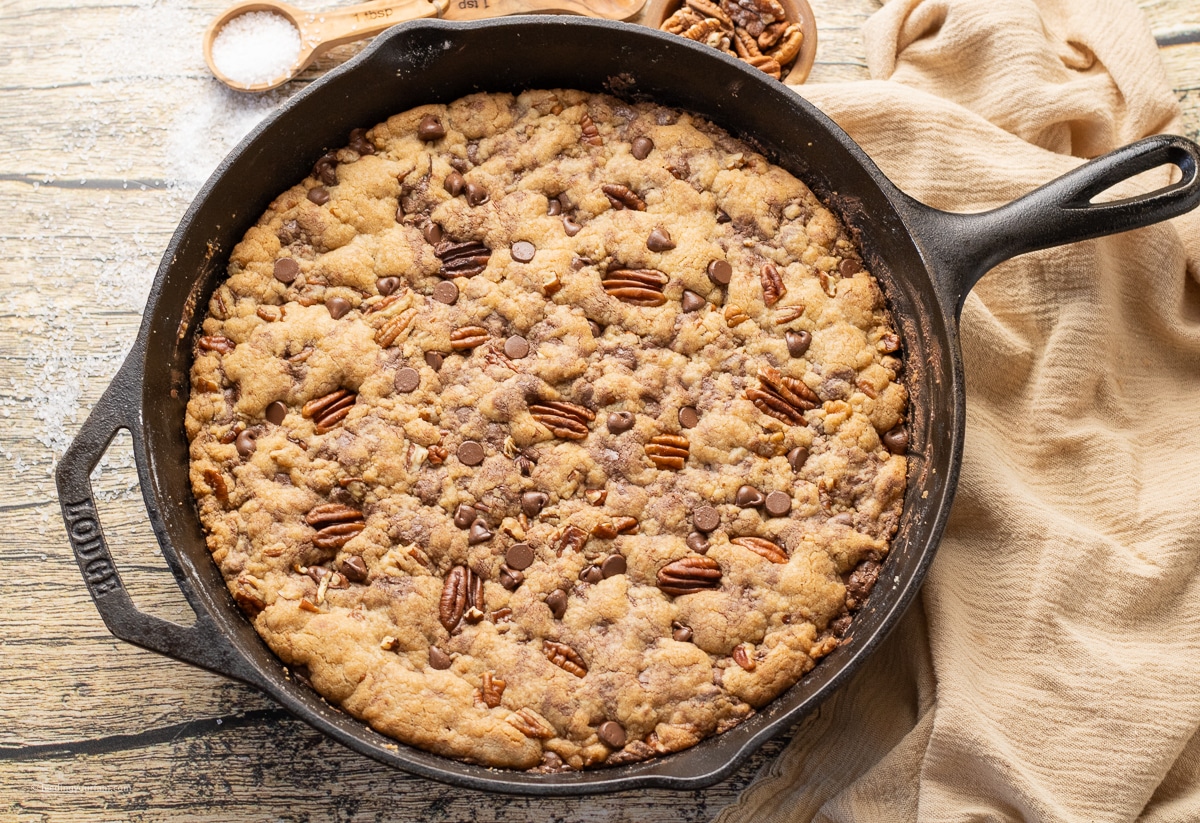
(797, 11)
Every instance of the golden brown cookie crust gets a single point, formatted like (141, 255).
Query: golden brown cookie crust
(343, 418)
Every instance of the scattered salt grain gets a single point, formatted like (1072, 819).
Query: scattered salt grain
(256, 47)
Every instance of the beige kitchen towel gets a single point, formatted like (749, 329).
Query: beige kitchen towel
(1051, 668)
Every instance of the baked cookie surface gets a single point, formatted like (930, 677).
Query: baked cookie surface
(548, 431)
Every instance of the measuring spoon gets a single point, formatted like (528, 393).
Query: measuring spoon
(321, 31)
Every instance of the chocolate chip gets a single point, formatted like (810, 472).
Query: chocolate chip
(286, 270)
(779, 503)
(338, 307)
(692, 301)
(432, 233)
(681, 633)
(519, 556)
(438, 659)
(843, 519)
(477, 195)
(465, 515)
(354, 569)
(689, 418)
(722, 217)
(749, 497)
(796, 457)
(276, 412)
(641, 147)
(570, 226)
(516, 347)
(479, 533)
(612, 734)
(359, 142)
(596, 328)
(318, 195)
(697, 542)
(849, 267)
(510, 578)
(557, 601)
(470, 453)
(407, 380)
(613, 565)
(244, 444)
(523, 251)
(431, 128)
(387, 285)
(619, 422)
(532, 503)
(720, 272)
(434, 360)
(554, 207)
(660, 240)
(706, 518)
(896, 440)
(797, 342)
(591, 574)
(446, 292)
(454, 183)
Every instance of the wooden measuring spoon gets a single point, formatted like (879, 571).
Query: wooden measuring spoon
(321, 31)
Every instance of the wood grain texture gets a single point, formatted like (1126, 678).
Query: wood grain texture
(105, 136)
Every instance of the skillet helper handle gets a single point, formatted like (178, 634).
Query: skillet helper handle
(964, 247)
(201, 644)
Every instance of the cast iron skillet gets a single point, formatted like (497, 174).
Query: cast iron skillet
(926, 260)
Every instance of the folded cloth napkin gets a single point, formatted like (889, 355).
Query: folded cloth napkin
(1051, 667)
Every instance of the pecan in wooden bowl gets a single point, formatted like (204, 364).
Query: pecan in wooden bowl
(777, 36)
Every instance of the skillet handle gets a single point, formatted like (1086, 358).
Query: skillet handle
(201, 644)
(964, 247)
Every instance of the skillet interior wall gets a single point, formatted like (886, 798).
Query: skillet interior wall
(439, 62)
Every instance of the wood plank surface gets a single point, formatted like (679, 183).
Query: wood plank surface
(109, 123)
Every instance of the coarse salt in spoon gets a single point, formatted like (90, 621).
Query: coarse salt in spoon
(258, 46)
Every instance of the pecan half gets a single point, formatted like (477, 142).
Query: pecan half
(768, 65)
(618, 525)
(393, 327)
(462, 591)
(784, 398)
(762, 547)
(468, 337)
(216, 343)
(622, 197)
(681, 21)
(326, 412)
(668, 451)
(710, 9)
(828, 284)
(588, 133)
(572, 537)
(745, 44)
(531, 724)
(735, 315)
(688, 575)
(786, 314)
(336, 525)
(566, 658)
(217, 483)
(566, 420)
(491, 690)
(789, 45)
(772, 34)
(638, 287)
(465, 259)
(772, 284)
(741, 656)
(246, 595)
(710, 32)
